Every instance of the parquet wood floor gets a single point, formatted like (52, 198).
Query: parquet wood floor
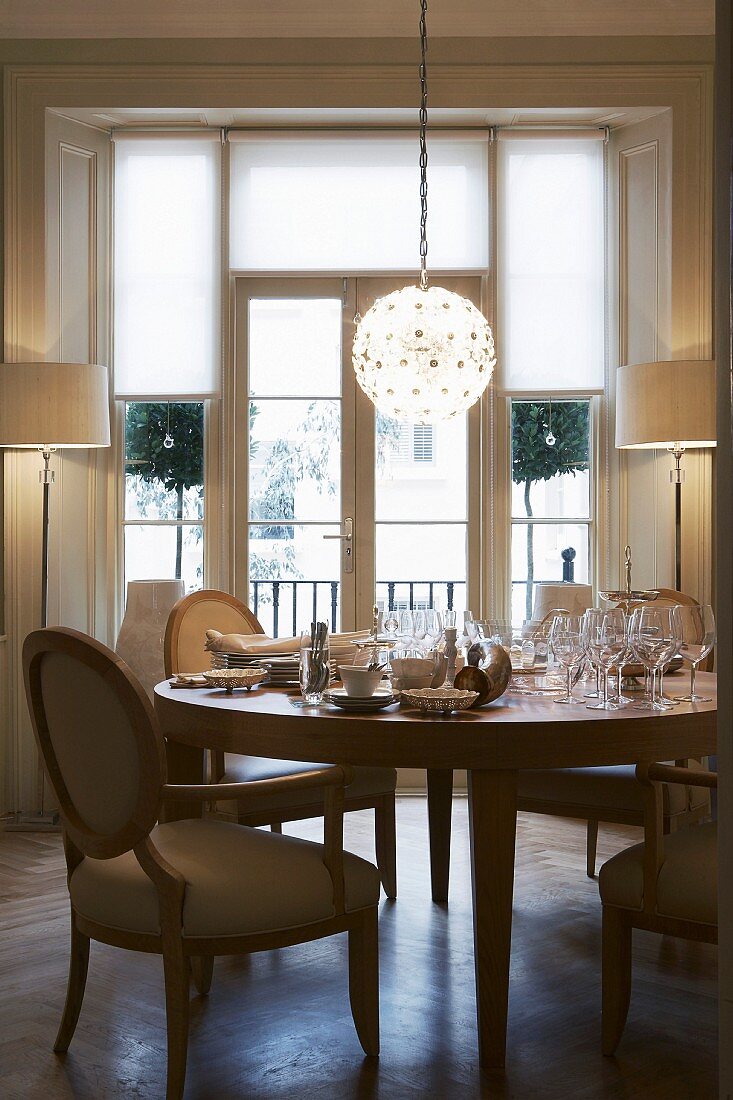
(278, 1027)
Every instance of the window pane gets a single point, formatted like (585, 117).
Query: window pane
(295, 347)
(421, 469)
(550, 479)
(167, 259)
(295, 460)
(422, 552)
(345, 202)
(289, 561)
(552, 262)
(164, 482)
(152, 552)
(536, 556)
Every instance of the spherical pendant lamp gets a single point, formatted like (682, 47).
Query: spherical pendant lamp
(423, 353)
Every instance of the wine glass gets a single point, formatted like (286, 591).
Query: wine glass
(697, 637)
(653, 634)
(433, 625)
(419, 628)
(568, 645)
(406, 628)
(391, 622)
(606, 641)
(470, 626)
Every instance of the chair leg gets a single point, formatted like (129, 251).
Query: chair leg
(591, 847)
(364, 979)
(616, 979)
(202, 969)
(385, 841)
(276, 827)
(176, 972)
(78, 966)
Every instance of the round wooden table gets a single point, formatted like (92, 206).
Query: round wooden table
(492, 744)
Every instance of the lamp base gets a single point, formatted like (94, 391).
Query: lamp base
(29, 822)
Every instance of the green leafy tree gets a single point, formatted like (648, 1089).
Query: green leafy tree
(178, 467)
(533, 459)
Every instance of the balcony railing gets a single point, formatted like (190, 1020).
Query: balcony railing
(301, 600)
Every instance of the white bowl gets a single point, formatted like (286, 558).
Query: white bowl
(359, 682)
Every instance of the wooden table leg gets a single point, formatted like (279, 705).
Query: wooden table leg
(492, 808)
(440, 806)
(185, 764)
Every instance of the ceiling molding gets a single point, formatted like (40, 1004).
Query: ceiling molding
(334, 19)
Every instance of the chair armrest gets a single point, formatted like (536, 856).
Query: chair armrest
(335, 775)
(666, 773)
(651, 776)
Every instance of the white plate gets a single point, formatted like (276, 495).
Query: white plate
(366, 706)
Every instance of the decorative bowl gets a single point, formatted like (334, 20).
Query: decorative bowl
(440, 700)
(231, 678)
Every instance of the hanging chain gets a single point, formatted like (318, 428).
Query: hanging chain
(423, 146)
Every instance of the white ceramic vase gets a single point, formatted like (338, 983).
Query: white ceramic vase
(140, 641)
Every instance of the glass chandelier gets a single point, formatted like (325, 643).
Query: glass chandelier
(423, 353)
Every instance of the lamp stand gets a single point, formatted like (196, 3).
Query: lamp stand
(46, 476)
(677, 476)
(40, 821)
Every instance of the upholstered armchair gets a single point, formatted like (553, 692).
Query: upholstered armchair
(369, 788)
(668, 885)
(187, 890)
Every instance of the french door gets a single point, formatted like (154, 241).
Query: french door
(337, 507)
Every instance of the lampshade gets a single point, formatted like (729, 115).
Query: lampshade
(54, 405)
(573, 598)
(663, 404)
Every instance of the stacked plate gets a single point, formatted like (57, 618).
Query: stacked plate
(281, 667)
(382, 697)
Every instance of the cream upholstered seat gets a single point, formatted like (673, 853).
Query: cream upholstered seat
(371, 788)
(668, 884)
(687, 883)
(235, 882)
(191, 889)
(610, 794)
(611, 788)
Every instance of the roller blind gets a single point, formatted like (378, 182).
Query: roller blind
(167, 331)
(342, 201)
(550, 331)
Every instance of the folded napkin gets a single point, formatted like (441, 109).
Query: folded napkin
(259, 643)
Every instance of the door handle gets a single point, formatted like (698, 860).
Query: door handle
(347, 538)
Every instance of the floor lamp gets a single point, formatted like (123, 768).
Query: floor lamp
(49, 407)
(672, 405)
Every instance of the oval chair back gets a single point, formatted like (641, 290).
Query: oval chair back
(191, 617)
(98, 737)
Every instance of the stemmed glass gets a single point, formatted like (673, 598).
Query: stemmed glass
(470, 627)
(568, 644)
(606, 642)
(391, 623)
(653, 634)
(419, 628)
(433, 626)
(697, 637)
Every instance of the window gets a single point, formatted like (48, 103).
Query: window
(413, 444)
(320, 224)
(551, 498)
(164, 491)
